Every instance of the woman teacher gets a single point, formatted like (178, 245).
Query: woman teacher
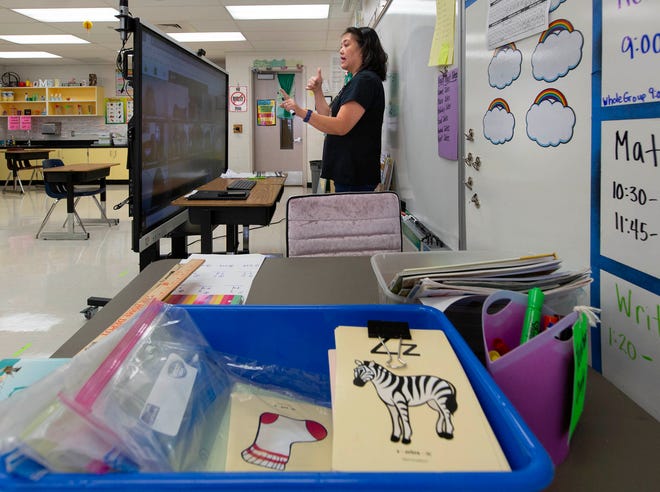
(354, 119)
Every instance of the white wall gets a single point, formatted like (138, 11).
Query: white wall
(105, 74)
(240, 145)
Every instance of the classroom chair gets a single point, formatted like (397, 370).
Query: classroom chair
(15, 166)
(58, 192)
(343, 224)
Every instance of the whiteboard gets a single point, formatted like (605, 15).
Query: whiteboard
(632, 43)
(529, 106)
(591, 194)
(630, 193)
(630, 340)
(426, 182)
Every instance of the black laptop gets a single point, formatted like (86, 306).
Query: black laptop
(220, 195)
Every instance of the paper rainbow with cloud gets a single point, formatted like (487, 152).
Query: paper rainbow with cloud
(550, 120)
(559, 50)
(499, 122)
(504, 66)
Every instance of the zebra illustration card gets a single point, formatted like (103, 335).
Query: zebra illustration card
(268, 431)
(408, 407)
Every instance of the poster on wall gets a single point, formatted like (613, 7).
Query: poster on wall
(266, 112)
(238, 98)
(129, 109)
(448, 115)
(115, 112)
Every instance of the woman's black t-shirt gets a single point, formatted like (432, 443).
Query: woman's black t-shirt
(354, 158)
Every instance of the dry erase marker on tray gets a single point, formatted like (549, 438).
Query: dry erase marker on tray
(532, 320)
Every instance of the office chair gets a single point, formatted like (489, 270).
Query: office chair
(343, 224)
(58, 192)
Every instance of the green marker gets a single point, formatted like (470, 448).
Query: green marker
(532, 319)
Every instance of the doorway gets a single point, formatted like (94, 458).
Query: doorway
(278, 147)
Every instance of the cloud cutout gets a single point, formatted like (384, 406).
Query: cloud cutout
(499, 124)
(504, 67)
(550, 122)
(558, 52)
(554, 4)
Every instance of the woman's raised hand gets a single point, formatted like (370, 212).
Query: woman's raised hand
(315, 83)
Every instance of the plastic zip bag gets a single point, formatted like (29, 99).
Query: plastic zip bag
(151, 405)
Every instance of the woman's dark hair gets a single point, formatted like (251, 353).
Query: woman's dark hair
(374, 57)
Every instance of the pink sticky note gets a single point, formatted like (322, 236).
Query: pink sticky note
(13, 122)
(26, 122)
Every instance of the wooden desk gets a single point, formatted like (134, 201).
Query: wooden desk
(71, 175)
(615, 446)
(257, 209)
(19, 160)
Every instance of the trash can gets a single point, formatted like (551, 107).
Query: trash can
(316, 174)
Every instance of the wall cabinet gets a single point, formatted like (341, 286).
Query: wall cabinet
(52, 101)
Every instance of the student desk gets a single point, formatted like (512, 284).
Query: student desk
(19, 160)
(76, 174)
(257, 209)
(615, 446)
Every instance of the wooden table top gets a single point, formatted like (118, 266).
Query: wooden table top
(24, 151)
(82, 167)
(264, 193)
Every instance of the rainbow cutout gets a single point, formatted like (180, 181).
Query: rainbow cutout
(552, 95)
(510, 46)
(554, 28)
(500, 104)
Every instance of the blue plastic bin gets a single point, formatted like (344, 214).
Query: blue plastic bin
(300, 336)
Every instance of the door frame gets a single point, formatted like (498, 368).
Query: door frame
(301, 99)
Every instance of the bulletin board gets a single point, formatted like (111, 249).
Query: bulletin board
(566, 124)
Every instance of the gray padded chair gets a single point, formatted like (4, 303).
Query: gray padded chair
(343, 224)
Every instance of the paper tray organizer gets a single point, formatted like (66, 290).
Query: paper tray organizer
(535, 376)
(299, 337)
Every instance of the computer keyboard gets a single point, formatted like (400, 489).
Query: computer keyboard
(241, 184)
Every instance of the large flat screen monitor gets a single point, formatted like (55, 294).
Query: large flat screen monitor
(178, 133)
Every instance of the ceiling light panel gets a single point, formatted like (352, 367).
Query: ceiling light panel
(71, 15)
(194, 37)
(44, 39)
(269, 12)
(27, 54)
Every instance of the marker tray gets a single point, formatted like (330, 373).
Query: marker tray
(299, 337)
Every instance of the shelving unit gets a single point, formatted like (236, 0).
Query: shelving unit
(14, 99)
(75, 101)
(52, 101)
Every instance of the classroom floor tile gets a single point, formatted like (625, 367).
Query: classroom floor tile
(45, 283)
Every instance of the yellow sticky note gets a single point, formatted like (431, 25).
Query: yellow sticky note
(442, 47)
